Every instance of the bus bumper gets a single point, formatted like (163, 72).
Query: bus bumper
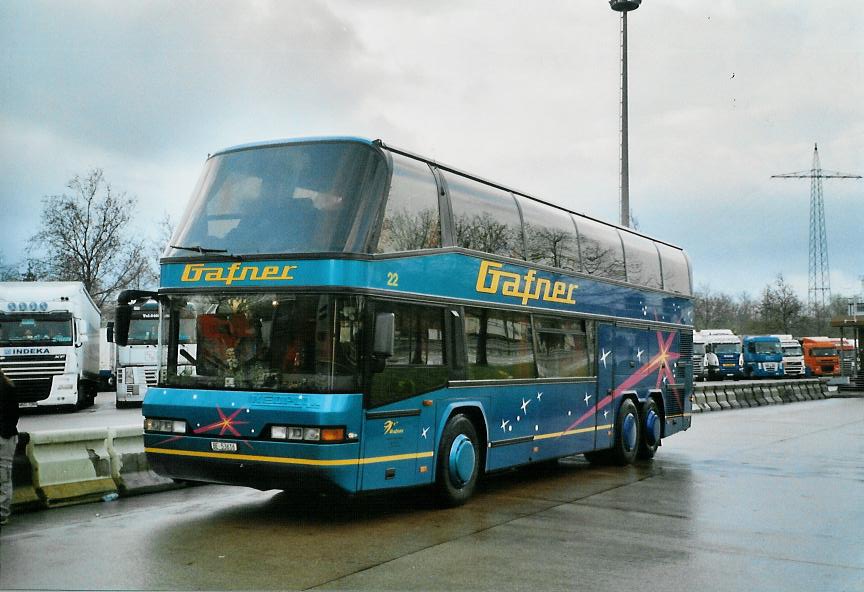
(258, 464)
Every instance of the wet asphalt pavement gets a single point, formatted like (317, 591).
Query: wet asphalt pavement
(770, 498)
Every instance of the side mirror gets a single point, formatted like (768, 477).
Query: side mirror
(384, 338)
(122, 317)
(109, 333)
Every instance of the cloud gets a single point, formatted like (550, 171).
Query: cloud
(522, 93)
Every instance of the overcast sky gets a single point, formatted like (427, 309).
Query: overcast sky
(723, 94)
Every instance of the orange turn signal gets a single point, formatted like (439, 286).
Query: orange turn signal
(332, 434)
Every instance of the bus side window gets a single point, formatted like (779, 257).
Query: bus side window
(562, 348)
(419, 362)
(500, 345)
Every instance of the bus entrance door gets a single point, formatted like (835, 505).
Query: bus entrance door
(393, 453)
(605, 404)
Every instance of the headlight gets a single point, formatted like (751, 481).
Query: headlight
(171, 426)
(308, 434)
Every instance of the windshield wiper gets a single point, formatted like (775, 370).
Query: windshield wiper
(199, 249)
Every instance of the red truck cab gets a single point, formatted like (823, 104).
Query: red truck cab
(820, 356)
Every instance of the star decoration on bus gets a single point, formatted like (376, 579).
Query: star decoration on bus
(525, 406)
(659, 363)
(604, 355)
(226, 423)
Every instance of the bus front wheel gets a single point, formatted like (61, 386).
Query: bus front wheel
(458, 465)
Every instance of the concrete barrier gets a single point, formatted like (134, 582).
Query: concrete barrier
(745, 397)
(699, 403)
(760, 395)
(732, 397)
(774, 394)
(711, 398)
(720, 393)
(798, 392)
(70, 466)
(24, 495)
(786, 393)
(804, 391)
(129, 467)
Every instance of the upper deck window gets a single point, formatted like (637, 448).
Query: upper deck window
(601, 250)
(550, 236)
(411, 218)
(294, 198)
(485, 218)
(643, 261)
(676, 270)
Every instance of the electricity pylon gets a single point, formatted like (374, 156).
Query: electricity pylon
(819, 280)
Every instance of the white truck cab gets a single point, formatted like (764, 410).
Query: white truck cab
(49, 343)
(793, 356)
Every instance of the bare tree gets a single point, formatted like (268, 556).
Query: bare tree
(88, 237)
(780, 307)
(8, 273)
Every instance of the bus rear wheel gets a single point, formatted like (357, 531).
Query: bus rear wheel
(458, 466)
(651, 430)
(628, 434)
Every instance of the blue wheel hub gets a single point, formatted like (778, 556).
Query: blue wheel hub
(629, 432)
(652, 427)
(461, 460)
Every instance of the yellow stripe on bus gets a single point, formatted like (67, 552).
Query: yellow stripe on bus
(571, 432)
(291, 461)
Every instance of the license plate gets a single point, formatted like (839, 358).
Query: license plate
(27, 405)
(728, 365)
(223, 446)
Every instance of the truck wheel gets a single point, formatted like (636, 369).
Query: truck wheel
(651, 430)
(458, 466)
(82, 398)
(628, 430)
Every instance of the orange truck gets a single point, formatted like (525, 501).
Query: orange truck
(820, 356)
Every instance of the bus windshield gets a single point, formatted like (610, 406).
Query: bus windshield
(43, 329)
(294, 198)
(267, 342)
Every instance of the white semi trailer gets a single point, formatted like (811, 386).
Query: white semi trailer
(49, 343)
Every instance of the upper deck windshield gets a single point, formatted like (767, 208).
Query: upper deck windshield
(291, 198)
(266, 342)
(41, 329)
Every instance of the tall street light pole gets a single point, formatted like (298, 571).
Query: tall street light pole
(624, 6)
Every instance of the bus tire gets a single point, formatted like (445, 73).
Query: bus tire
(628, 431)
(458, 466)
(651, 430)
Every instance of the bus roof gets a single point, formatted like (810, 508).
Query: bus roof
(381, 144)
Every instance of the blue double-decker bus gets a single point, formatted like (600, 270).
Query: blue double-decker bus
(365, 318)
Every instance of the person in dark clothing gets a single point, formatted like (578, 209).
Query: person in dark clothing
(8, 442)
